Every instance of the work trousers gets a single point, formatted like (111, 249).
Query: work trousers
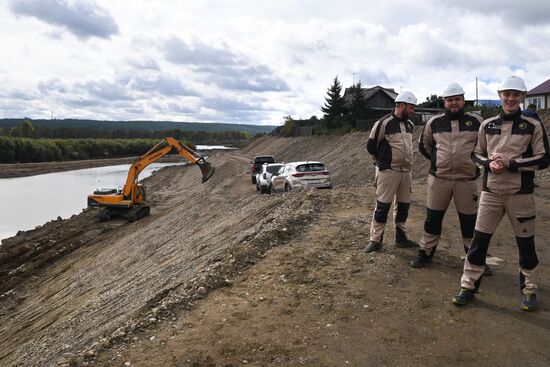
(440, 193)
(521, 213)
(391, 186)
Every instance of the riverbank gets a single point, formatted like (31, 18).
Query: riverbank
(31, 169)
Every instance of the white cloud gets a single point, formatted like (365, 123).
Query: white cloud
(254, 62)
(82, 18)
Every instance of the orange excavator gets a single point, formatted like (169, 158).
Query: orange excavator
(129, 201)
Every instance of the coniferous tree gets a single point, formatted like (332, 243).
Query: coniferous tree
(335, 105)
(358, 103)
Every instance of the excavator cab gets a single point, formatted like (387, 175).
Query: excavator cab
(129, 201)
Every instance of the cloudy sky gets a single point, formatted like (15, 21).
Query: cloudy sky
(254, 62)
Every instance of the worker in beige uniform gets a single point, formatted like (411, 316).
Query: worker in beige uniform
(510, 147)
(448, 140)
(390, 143)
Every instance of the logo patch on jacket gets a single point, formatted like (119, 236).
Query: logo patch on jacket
(491, 126)
(468, 123)
(522, 125)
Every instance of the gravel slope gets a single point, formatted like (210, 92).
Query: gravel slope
(220, 275)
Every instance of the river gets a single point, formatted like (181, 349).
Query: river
(27, 202)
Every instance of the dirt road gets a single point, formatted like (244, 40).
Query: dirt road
(220, 275)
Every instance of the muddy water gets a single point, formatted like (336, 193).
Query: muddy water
(27, 202)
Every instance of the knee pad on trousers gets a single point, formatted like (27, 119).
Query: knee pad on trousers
(402, 212)
(478, 249)
(381, 211)
(527, 253)
(434, 218)
(467, 224)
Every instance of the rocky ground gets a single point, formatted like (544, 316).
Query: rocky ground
(219, 275)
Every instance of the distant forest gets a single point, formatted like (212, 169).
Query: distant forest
(138, 125)
(25, 150)
(25, 140)
(28, 130)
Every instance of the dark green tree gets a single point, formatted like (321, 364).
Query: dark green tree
(289, 126)
(433, 101)
(27, 130)
(358, 103)
(335, 105)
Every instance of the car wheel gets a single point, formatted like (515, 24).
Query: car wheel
(257, 187)
(271, 189)
(263, 190)
(253, 179)
(288, 188)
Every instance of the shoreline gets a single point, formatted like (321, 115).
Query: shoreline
(14, 170)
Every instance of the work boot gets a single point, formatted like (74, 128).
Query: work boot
(421, 259)
(463, 296)
(529, 302)
(406, 244)
(487, 271)
(373, 246)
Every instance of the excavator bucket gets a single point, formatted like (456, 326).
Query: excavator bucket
(206, 168)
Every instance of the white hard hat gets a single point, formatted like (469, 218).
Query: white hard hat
(513, 83)
(406, 97)
(454, 89)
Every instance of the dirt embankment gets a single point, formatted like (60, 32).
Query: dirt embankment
(220, 275)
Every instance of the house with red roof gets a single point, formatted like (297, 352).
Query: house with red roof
(540, 95)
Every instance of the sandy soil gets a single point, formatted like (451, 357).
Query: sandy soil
(220, 275)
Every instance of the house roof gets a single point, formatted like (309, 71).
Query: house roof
(543, 88)
(369, 92)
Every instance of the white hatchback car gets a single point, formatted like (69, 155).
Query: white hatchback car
(300, 175)
(263, 178)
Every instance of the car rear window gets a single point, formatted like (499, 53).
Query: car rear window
(310, 167)
(264, 160)
(273, 169)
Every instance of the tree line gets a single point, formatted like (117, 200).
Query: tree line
(27, 130)
(144, 125)
(26, 150)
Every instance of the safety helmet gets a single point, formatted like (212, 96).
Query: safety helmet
(406, 97)
(454, 89)
(513, 83)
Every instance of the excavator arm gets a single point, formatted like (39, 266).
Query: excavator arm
(156, 153)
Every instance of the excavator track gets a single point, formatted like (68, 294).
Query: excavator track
(138, 212)
(131, 214)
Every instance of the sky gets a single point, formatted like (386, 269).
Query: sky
(254, 62)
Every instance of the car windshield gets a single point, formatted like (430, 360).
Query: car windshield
(273, 169)
(310, 167)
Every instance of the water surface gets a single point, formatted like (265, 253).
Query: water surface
(27, 202)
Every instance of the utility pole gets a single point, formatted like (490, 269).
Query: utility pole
(353, 77)
(477, 100)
